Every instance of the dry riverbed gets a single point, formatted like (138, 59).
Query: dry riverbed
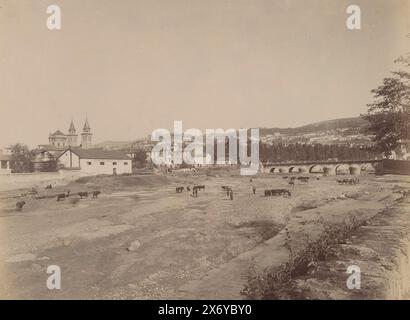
(142, 240)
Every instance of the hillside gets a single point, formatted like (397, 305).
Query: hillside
(343, 123)
(346, 131)
(336, 131)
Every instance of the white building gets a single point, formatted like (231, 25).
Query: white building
(95, 161)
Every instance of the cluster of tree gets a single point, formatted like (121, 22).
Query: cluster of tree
(20, 160)
(139, 159)
(313, 152)
(389, 115)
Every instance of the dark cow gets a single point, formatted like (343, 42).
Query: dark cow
(61, 196)
(83, 195)
(304, 179)
(195, 191)
(277, 192)
(49, 186)
(179, 189)
(348, 181)
(96, 193)
(20, 205)
(286, 193)
(292, 183)
(201, 187)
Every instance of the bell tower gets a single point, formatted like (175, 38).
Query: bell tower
(72, 136)
(86, 135)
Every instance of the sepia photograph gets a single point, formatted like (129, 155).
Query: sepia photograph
(205, 150)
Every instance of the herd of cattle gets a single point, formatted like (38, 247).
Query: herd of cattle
(267, 192)
(196, 188)
(349, 181)
(60, 196)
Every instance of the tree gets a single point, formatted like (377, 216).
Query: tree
(389, 114)
(140, 158)
(20, 158)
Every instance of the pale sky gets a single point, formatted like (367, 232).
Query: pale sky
(137, 65)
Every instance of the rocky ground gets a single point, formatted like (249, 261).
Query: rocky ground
(142, 240)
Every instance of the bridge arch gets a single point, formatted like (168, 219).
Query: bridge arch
(367, 168)
(316, 168)
(342, 168)
(354, 169)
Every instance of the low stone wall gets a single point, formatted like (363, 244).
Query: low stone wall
(38, 179)
(394, 167)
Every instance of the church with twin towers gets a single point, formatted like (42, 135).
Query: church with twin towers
(61, 140)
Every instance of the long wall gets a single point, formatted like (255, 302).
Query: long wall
(395, 167)
(40, 179)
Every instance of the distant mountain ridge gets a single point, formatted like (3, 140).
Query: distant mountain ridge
(336, 131)
(343, 123)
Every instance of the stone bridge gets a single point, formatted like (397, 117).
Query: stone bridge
(353, 167)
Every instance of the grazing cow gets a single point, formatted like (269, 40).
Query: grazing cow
(179, 189)
(20, 205)
(292, 183)
(49, 186)
(61, 196)
(201, 187)
(348, 181)
(83, 195)
(286, 193)
(195, 191)
(304, 179)
(96, 193)
(277, 192)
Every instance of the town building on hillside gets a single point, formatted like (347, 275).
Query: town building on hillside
(95, 161)
(60, 140)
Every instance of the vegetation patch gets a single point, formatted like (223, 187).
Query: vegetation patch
(270, 284)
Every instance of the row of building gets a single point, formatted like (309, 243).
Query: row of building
(67, 152)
